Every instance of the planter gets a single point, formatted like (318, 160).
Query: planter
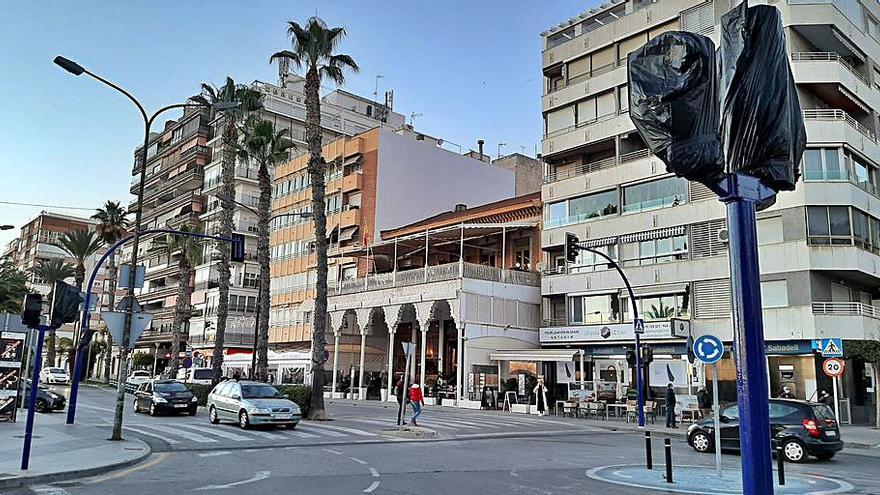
(431, 401)
(520, 408)
(384, 395)
(448, 403)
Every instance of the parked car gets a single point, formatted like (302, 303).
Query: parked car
(201, 376)
(138, 377)
(47, 400)
(251, 403)
(164, 396)
(54, 375)
(802, 428)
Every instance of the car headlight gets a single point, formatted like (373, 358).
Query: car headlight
(259, 410)
(159, 400)
(194, 399)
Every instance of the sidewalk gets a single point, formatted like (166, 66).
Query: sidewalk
(61, 452)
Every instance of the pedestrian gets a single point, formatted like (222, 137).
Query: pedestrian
(786, 393)
(236, 376)
(398, 391)
(670, 407)
(541, 397)
(417, 401)
(703, 402)
(826, 399)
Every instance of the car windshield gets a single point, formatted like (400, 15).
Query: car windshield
(823, 412)
(205, 374)
(731, 412)
(166, 388)
(57, 371)
(259, 392)
(140, 373)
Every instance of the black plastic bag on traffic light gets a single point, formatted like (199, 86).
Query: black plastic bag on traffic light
(673, 95)
(65, 304)
(762, 126)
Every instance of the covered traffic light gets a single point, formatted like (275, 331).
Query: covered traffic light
(648, 354)
(65, 304)
(31, 309)
(631, 358)
(571, 247)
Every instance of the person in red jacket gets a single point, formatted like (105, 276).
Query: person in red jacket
(417, 401)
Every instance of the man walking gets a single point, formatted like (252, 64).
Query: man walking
(399, 392)
(703, 403)
(417, 401)
(670, 407)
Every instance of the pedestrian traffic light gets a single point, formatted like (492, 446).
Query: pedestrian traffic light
(237, 247)
(631, 358)
(571, 247)
(31, 309)
(65, 304)
(648, 354)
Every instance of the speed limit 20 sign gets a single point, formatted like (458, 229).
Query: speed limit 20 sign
(833, 367)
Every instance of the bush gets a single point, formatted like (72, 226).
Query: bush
(200, 391)
(300, 394)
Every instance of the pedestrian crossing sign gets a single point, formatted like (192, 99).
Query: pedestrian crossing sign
(832, 348)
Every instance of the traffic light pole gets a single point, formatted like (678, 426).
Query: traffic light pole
(741, 194)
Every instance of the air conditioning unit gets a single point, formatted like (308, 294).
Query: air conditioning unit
(723, 236)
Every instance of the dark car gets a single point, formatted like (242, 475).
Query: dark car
(164, 396)
(802, 428)
(47, 400)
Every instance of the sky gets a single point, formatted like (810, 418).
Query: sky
(472, 69)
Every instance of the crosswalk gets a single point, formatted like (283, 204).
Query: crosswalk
(180, 434)
(471, 424)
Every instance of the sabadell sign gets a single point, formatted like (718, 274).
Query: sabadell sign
(667, 329)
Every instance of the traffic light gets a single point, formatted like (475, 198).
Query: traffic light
(571, 247)
(631, 358)
(649, 355)
(690, 350)
(65, 304)
(237, 247)
(31, 309)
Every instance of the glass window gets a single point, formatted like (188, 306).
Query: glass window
(838, 218)
(731, 412)
(779, 410)
(592, 206)
(671, 191)
(557, 211)
(817, 225)
(166, 388)
(833, 170)
(253, 391)
(663, 250)
(576, 310)
(860, 228)
(623, 98)
(813, 164)
(774, 294)
(588, 261)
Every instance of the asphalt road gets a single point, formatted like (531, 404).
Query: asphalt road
(478, 452)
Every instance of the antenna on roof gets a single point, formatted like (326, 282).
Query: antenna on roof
(412, 117)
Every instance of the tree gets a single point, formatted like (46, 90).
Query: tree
(267, 147)
(248, 100)
(189, 252)
(313, 50)
(113, 226)
(141, 360)
(869, 352)
(659, 313)
(51, 271)
(13, 287)
(80, 244)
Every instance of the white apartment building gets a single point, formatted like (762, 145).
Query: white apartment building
(819, 245)
(343, 114)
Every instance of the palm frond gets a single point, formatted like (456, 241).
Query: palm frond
(295, 58)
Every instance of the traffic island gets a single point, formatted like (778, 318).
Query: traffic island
(411, 433)
(704, 480)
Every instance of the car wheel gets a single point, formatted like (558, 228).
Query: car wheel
(41, 406)
(290, 426)
(794, 451)
(825, 456)
(134, 406)
(212, 416)
(192, 412)
(152, 409)
(701, 442)
(243, 420)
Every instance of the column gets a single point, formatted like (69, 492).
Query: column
(361, 394)
(335, 362)
(440, 346)
(459, 373)
(391, 332)
(583, 372)
(424, 346)
(423, 315)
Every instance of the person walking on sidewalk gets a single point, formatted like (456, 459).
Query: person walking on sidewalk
(704, 403)
(541, 397)
(398, 391)
(417, 401)
(670, 407)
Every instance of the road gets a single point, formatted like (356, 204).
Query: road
(478, 452)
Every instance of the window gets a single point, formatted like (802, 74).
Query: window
(578, 69)
(631, 44)
(861, 234)
(593, 206)
(671, 191)
(652, 251)
(823, 164)
(593, 309)
(774, 294)
(769, 231)
(658, 307)
(587, 261)
(606, 104)
(560, 119)
(828, 225)
(586, 111)
(623, 99)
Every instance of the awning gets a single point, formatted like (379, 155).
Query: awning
(605, 241)
(653, 234)
(352, 159)
(853, 98)
(848, 48)
(566, 355)
(348, 233)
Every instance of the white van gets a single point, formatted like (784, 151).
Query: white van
(201, 376)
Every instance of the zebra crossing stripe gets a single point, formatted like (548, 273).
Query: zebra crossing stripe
(218, 430)
(170, 441)
(301, 434)
(273, 435)
(392, 423)
(185, 434)
(353, 431)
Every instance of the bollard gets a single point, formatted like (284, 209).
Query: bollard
(667, 445)
(648, 461)
(780, 463)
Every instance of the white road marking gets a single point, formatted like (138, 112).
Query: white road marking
(333, 451)
(276, 435)
(372, 487)
(359, 461)
(260, 475)
(353, 431)
(374, 472)
(302, 434)
(49, 490)
(185, 434)
(214, 454)
(164, 438)
(329, 433)
(219, 430)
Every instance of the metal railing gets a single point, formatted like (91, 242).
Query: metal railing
(828, 57)
(596, 166)
(846, 309)
(836, 114)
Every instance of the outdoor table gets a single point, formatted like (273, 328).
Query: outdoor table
(617, 409)
(559, 404)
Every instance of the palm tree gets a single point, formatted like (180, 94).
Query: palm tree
(268, 148)
(113, 226)
(190, 255)
(312, 50)
(80, 244)
(249, 100)
(52, 271)
(13, 287)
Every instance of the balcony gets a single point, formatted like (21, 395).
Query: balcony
(834, 61)
(846, 309)
(849, 320)
(835, 115)
(159, 292)
(244, 173)
(230, 339)
(602, 128)
(353, 182)
(589, 168)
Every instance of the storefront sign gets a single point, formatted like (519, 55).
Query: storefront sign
(11, 352)
(672, 349)
(789, 347)
(668, 329)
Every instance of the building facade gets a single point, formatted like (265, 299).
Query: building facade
(818, 244)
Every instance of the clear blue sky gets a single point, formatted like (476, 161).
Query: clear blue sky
(472, 68)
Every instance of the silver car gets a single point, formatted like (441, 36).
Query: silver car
(251, 403)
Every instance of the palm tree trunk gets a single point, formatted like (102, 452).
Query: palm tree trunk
(317, 169)
(181, 313)
(111, 302)
(262, 371)
(227, 175)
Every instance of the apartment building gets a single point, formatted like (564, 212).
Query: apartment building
(377, 180)
(819, 245)
(343, 114)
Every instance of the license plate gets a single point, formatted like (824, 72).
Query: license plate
(830, 433)
(180, 406)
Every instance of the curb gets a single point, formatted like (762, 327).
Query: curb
(20, 481)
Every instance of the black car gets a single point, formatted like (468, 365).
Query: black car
(802, 428)
(164, 396)
(47, 400)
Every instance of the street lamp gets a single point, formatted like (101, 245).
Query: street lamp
(77, 70)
